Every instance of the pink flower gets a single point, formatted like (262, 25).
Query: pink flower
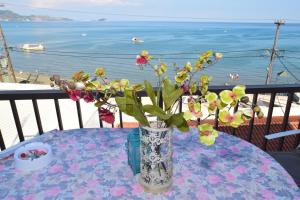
(240, 169)
(56, 169)
(265, 161)
(79, 192)
(106, 115)
(28, 184)
(213, 179)
(73, 167)
(229, 176)
(93, 161)
(88, 97)
(267, 194)
(141, 60)
(202, 193)
(234, 149)
(264, 168)
(74, 94)
(53, 191)
(185, 88)
(12, 198)
(63, 146)
(118, 191)
(93, 183)
(231, 189)
(186, 172)
(91, 146)
(179, 181)
(29, 197)
(137, 189)
(119, 141)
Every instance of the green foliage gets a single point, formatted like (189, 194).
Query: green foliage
(130, 105)
(208, 134)
(100, 89)
(178, 121)
(203, 84)
(150, 92)
(170, 93)
(156, 111)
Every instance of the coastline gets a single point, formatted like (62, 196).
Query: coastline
(33, 78)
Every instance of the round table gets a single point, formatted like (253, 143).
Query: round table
(92, 164)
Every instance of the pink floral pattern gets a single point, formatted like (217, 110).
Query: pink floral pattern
(92, 164)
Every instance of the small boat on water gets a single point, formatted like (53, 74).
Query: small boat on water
(33, 47)
(234, 76)
(136, 40)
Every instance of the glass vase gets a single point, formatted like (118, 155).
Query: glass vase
(156, 159)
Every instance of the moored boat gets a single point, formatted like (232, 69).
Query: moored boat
(33, 47)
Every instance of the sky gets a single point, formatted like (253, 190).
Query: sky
(161, 10)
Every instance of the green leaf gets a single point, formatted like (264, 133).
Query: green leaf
(125, 105)
(156, 111)
(137, 87)
(178, 121)
(89, 86)
(170, 94)
(150, 92)
(193, 87)
(132, 106)
(98, 104)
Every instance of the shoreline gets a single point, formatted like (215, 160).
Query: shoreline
(33, 78)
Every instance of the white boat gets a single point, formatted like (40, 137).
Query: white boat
(136, 40)
(33, 47)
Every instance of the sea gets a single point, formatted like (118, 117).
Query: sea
(74, 46)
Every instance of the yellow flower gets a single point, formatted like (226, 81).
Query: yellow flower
(100, 72)
(218, 56)
(208, 134)
(188, 67)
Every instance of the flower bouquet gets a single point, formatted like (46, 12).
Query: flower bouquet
(155, 136)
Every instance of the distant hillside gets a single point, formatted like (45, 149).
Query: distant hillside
(7, 15)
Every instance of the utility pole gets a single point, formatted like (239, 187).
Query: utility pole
(10, 68)
(278, 23)
(1, 78)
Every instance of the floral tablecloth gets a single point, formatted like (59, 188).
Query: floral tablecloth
(92, 164)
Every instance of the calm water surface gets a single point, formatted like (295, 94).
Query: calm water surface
(76, 46)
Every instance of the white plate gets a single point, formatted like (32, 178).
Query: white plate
(35, 164)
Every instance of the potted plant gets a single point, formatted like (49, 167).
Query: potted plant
(155, 136)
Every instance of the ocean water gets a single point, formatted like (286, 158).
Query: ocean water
(72, 46)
